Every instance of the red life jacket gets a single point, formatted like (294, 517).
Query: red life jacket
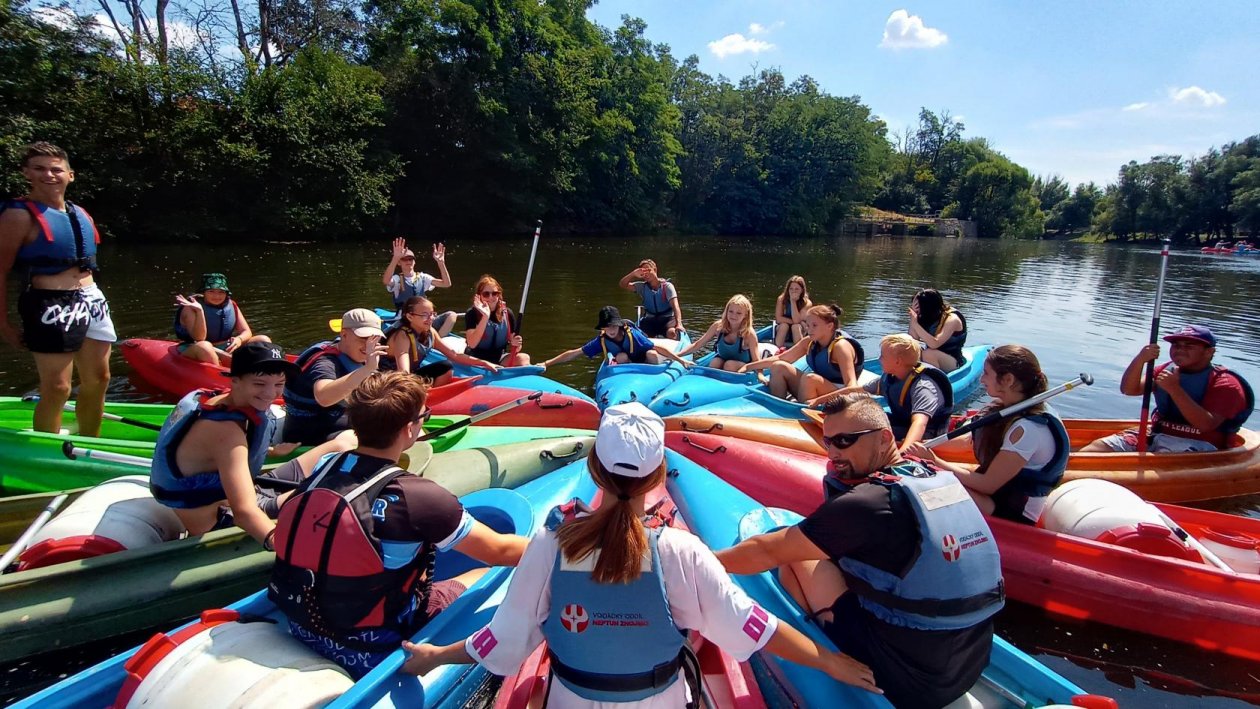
(330, 575)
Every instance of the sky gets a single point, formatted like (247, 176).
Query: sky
(1066, 88)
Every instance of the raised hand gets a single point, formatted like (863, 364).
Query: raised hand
(374, 352)
(400, 245)
(439, 252)
(1148, 353)
(186, 302)
(481, 306)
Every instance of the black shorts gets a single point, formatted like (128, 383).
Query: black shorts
(267, 497)
(58, 321)
(657, 325)
(313, 430)
(917, 669)
(432, 370)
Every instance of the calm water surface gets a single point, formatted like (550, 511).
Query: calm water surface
(1080, 307)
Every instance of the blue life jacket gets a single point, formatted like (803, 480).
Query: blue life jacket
(299, 391)
(897, 393)
(333, 575)
(69, 239)
(954, 345)
(819, 358)
(955, 579)
(182, 490)
(1171, 421)
(656, 302)
(408, 289)
(494, 339)
(612, 348)
(612, 642)
(220, 322)
(732, 352)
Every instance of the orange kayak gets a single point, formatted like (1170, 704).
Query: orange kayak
(1157, 477)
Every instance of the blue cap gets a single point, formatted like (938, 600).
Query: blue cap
(1197, 333)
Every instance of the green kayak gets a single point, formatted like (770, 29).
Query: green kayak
(84, 601)
(32, 462)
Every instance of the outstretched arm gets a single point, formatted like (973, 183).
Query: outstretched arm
(704, 339)
(563, 357)
(439, 255)
(399, 246)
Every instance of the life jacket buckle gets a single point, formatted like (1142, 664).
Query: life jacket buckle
(884, 478)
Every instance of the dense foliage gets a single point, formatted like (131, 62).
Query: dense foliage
(330, 117)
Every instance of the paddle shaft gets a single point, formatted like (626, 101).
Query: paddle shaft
(507, 406)
(1185, 536)
(1010, 410)
(1149, 387)
(529, 274)
(20, 545)
(69, 407)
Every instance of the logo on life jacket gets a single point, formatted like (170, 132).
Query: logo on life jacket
(574, 618)
(950, 548)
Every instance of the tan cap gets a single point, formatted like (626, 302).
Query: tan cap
(362, 322)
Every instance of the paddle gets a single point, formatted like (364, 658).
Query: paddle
(529, 273)
(1149, 387)
(1195, 544)
(69, 407)
(20, 545)
(1009, 411)
(506, 406)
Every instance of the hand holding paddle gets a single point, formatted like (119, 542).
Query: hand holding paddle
(1011, 410)
(529, 274)
(1148, 388)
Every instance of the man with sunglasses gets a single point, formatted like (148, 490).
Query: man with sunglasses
(357, 606)
(897, 564)
(314, 399)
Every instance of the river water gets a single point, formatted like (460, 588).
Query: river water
(1080, 307)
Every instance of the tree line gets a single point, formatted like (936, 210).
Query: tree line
(329, 118)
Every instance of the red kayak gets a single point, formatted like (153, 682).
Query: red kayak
(158, 369)
(549, 411)
(727, 682)
(1186, 601)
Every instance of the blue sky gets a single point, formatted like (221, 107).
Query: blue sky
(1069, 88)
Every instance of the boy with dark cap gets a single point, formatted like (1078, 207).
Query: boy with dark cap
(620, 340)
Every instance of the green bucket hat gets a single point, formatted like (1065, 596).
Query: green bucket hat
(214, 281)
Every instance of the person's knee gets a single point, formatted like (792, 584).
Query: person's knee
(56, 388)
(259, 338)
(94, 379)
(782, 368)
(621, 358)
(732, 365)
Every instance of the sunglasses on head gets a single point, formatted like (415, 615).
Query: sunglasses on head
(840, 441)
(489, 293)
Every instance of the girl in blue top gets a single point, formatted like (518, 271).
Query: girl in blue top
(736, 339)
(833, 355)
(789, 312)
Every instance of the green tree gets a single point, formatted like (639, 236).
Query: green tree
(997, 195)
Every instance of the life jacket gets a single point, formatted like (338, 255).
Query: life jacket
(656, 301)
(220, 322)
(954, 580)
(611, 642)
(299, 391)
(612, 348)
(494, 339)
(418, 350)
(732, 352)
(180, 490)
(1170, 420)
(897, 394)
(819, 358)
(954, 345)
(1029, 482)
(331, 575)
(408, 288)
(69, 239)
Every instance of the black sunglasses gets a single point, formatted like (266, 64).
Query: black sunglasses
(840, 441)
(489, 293)
(425, 415)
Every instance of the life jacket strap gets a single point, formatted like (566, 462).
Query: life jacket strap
(659, 676)
(927, 607)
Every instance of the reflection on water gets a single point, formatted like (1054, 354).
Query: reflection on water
(1080, 307)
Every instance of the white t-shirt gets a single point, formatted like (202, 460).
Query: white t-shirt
(1036, 447)
(702, 597)
(422, 280)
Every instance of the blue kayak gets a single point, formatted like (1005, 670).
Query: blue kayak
(528, 377)
(723, 516)
(757, 401)
(623, 383)
(520, 511)
(702, 385)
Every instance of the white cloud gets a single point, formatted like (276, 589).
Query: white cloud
(733, 44)
(1195, 96)
(1136, 106)
(906, 31)
(758, 28)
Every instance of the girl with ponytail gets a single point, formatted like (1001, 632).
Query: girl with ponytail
(612, 596)
(1021, 458)
(834, 357)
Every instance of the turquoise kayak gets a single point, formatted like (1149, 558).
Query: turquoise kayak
(723, 516)
(623, 383)
(756, 401)
(528, 378)
(520, 511)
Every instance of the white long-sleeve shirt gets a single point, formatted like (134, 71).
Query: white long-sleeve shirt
(701, 596)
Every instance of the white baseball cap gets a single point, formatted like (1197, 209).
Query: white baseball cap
(630, 440)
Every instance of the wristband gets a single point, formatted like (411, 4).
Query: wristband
(269, 543)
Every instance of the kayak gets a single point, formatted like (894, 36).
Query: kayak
(62, 605)
(623, 383)
(519, 511)
(528, 377)
(33, 462)
(1177, 599)
(727, 683)
(703, 384)
(723, 516)
(551, 410)
(758, 402)
(1162, 477)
